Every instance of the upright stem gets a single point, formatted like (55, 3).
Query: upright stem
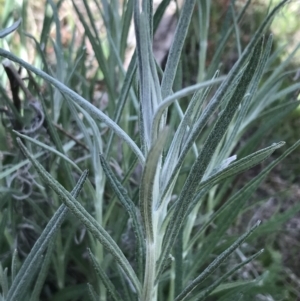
(100, 183)
(203, 15)
(149, 287)
(153, 247)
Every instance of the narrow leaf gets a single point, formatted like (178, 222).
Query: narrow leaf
(92, 225)
(48, 148)
(38, 286)
(222, 90)
(199, 167)
(128, 204)
(176, 48)
(39, 247)
(5, 32)
(232, 207)
(149, 188)
(91, 109)
(204, 294)
(146, 97)
(215, 264)
(92, 293)
(241, 165)
(3, 281)
(104, 278)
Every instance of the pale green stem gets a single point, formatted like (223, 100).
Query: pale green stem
(99, 213)
(203, 15)
(149, 287)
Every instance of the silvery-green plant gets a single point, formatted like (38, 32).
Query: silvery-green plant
(172, 252)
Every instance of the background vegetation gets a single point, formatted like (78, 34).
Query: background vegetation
(87, 46)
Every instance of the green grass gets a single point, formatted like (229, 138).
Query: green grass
(137, 200)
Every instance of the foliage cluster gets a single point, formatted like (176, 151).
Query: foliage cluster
(152, 216)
